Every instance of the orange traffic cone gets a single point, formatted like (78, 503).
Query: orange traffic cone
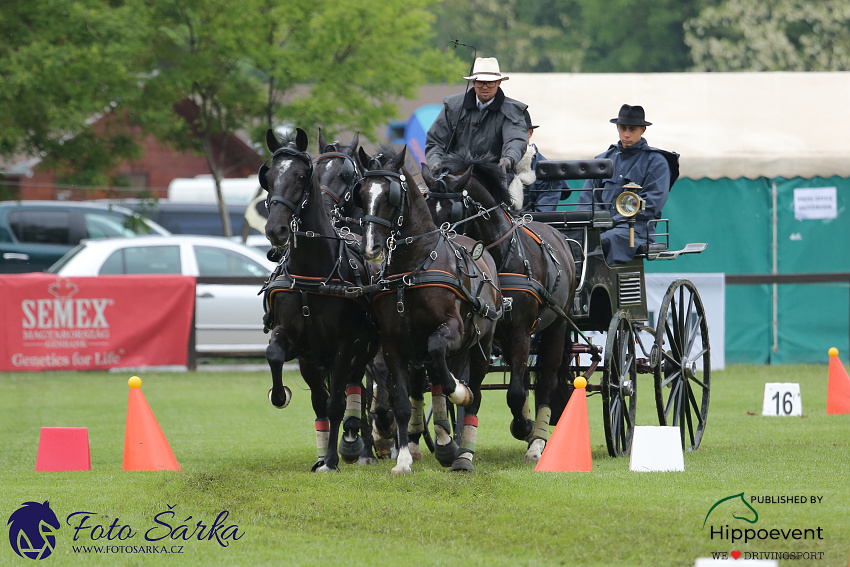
(145, 445)
(838, 391)
(568, 450)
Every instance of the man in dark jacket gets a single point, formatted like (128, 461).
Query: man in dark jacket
(482, 120)
(635, 161)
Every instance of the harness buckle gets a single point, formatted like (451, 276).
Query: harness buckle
(400, 307)
(353, 292)
(305, 310)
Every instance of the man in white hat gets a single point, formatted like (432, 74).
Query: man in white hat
(483, 120)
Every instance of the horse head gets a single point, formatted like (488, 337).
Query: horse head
(392, 208)
(286, 176)
(338, 173)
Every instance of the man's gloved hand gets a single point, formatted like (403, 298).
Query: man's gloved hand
(506, 163)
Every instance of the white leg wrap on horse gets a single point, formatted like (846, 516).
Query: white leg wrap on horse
(440, 415)
(322, 431)
(462, 395)
(417, 416)
(541, 424)
(352, 401)
(469, 435)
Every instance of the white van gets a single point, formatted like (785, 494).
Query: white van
(201, 189)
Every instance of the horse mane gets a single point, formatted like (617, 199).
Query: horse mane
(485, 168)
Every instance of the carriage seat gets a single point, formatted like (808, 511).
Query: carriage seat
(574, 219)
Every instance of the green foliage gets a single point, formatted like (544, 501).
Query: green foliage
(635, 37)
(542, 36)
(617, 36)
(61, 65)
(779, 35)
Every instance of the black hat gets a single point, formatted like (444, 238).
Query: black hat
(631, 116)
(528, 124)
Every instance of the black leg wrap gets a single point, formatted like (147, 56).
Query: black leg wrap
(350, 449)
(446, 454)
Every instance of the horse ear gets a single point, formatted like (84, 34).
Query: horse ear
(363, 158)
(352, 147)
(271, 141)
(464, 179)
(427, 177)
(322, 143)
(301, 140)
(398, 161)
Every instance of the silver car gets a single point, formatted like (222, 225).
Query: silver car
(228, 311)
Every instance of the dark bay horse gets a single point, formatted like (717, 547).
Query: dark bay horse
(436, 303)
(315, 317)
(338, 172)
(536, 273)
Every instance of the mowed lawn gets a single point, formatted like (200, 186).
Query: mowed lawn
(240, 455)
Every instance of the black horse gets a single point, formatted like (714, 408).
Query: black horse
(338, 173)
(436, 303)
(536, 273)
(314, 315)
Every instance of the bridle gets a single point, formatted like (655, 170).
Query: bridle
(349, 174)
(279, 200)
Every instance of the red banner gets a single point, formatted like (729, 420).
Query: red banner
(94, 323)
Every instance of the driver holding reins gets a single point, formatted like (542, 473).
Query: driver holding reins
(483, 120)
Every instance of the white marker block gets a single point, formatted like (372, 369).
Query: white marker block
(656, 449)
(782, 399)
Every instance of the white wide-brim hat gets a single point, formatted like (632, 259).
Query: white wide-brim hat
(486, 69)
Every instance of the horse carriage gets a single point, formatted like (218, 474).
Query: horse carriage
(441, 289)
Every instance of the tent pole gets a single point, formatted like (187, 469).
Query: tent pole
(775, 267)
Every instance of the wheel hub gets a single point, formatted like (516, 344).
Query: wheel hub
(626, 388)
(689, 369)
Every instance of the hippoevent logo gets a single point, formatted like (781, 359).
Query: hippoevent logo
(32, 530)
(732, 514)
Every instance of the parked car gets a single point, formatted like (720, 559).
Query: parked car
(228, 314)
(189, 218)
(35, 234)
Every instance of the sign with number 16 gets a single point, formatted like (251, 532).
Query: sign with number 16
(782, 398)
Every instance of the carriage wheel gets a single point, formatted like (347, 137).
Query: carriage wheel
(619, 386)
(681, 347)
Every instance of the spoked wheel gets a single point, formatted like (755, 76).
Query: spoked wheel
(619, 386)
(682, 363)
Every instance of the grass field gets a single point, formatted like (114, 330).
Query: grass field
(240, 455)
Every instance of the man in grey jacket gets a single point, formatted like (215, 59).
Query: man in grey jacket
(483, 120)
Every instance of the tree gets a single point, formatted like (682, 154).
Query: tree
(260, 64)
(540, 37)
(777, 35)
(62, 64)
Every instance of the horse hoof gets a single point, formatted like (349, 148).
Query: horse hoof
(446, 454)
(367, 461)
(462, 396)
(401, 469)
(384, 447)
(350, 449)
(320, 467)
(521, 429)
(287, 397)
(415, 451)
(535, 450)
(462, 464)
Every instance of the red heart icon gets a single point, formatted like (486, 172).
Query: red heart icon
(735, 555)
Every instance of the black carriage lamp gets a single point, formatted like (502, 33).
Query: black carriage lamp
(629, 204)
